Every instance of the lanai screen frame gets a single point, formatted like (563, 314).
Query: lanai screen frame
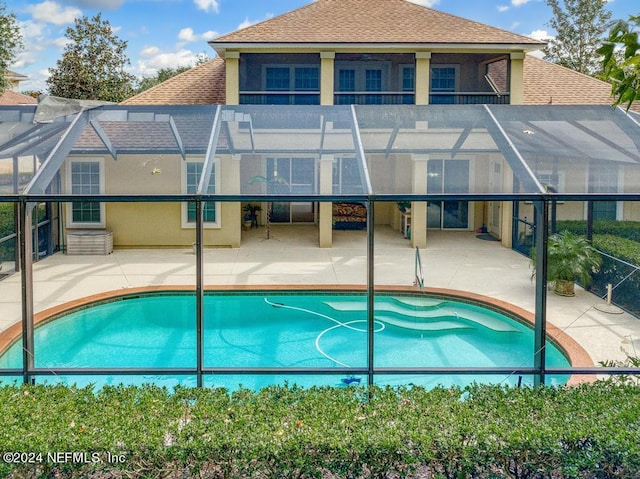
(355, 125)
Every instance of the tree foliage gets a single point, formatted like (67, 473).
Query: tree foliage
(621, 60)
(10, 43)
(93, 65)
(580, 26)
(166, 73)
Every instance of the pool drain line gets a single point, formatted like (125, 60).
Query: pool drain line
(339, 324)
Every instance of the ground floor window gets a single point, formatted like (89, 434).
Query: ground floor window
(192, 171)
(85, 177)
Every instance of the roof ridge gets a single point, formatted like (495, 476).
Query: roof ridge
(257, 24)
(371, 21)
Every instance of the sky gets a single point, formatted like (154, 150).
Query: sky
(172, 33)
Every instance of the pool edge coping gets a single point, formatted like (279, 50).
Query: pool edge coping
(577, 355)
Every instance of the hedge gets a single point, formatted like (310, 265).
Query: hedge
(620, 239)
(7, 225)
(623, 229)
(587, 431)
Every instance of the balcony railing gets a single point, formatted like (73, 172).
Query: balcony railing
(377, 98)
(279, 98)
(369, 98)
(468, 98)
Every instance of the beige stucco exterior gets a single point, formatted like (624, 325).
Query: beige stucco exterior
(140, 224)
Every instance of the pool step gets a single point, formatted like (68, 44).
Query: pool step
(418, 302)
(423, 325)
(413, 318)
(384, 306)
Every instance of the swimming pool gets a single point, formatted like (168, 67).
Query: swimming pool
(275, 329)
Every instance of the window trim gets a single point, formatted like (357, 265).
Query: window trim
(401, 70)
(456, 68)
(292, 76)
(69, 186)
(184, 208)
(360, 68)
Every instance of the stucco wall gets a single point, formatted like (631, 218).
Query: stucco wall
(140, 224)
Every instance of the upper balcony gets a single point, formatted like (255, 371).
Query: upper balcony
(373, 79)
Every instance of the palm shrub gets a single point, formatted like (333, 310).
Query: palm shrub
(569, 258)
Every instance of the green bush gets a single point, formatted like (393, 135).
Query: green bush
(622, 248)
(620, 239)
(590, 431)
(7, 225)
(623, 229)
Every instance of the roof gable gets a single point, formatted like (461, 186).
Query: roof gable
(201, 85)
(372, 21)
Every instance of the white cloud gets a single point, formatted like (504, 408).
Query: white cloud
(51, 12)
(154, 62)
(149, 51)
(208, 5)
(60, 42)
(210, 35)
(32, 30)
(187, 35)
(502, 8)
(540, 35)
(36, 82)
(426, 3)
(518, 3)
(248, 23)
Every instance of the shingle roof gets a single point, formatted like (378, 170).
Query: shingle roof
(371, 21)
(10, 97)
(548, 83)
(201, 85)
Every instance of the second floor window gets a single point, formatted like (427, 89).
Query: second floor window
(408, 78)
(365, 79)
(444, 80)
(278, 78)
(293, 81)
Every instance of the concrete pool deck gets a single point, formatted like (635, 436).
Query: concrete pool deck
(451, 260)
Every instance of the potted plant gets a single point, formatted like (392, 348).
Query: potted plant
(570, 257)
(404, 206)
(250, 218)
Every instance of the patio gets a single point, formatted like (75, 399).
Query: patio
(452, 260)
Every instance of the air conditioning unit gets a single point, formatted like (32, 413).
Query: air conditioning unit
(81, 242)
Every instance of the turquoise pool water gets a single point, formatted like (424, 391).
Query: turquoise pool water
(308, 330)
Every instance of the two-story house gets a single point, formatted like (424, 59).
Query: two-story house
(12, 95)
(375, 52)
